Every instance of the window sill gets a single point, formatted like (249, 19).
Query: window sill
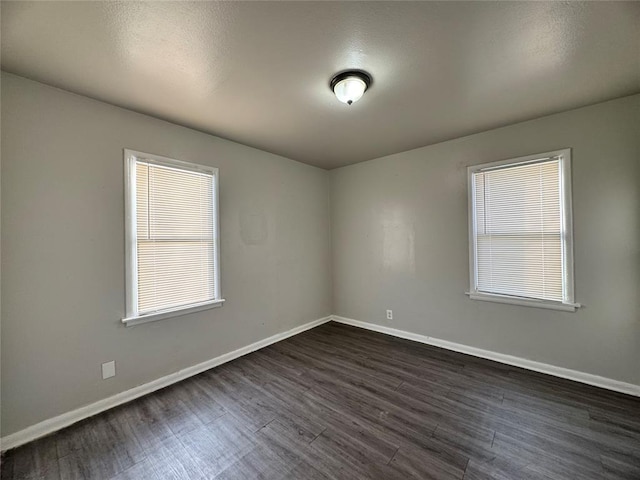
(526, 302)
(176, 312)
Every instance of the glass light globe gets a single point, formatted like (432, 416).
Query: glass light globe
(350, 89)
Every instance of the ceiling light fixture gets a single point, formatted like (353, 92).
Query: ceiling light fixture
(349, 86)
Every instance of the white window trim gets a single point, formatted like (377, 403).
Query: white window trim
(131, 261)
(568, 304)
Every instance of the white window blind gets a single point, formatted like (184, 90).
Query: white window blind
(520, 236)
(172, 235)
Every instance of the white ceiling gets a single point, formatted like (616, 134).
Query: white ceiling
(258, 73)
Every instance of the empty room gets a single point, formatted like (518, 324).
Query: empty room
(320, 240)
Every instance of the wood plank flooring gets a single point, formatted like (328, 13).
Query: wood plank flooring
(338, 402)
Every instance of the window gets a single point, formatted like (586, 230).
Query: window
(520, 232)
(172, 246)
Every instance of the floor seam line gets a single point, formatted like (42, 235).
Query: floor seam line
(393, 456)
(314, 438)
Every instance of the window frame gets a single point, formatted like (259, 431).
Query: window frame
(568, 302)
(133, 317)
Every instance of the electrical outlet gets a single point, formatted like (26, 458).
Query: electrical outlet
(389, 314)
(109, 369)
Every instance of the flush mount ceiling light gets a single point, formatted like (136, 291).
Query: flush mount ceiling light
(349, 86)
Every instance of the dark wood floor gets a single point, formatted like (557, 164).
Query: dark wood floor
(340, 402)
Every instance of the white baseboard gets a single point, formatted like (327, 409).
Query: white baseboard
(61, 421)
(567, 373)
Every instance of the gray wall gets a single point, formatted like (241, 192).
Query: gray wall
(63, 251)
(399, 240)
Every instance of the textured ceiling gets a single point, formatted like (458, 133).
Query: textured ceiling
(258, 73)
